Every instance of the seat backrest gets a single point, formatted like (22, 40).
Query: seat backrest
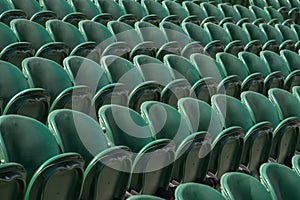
(244, 12)
(175, 9)
(271, 32)
(236, 33)
(7, 36)
(153, 69)
(134, 8)
(237, 185)
(125, 126)
(233, 111)
(217, 33)
(212, 10)
(30, 149)
(86, 7)
(111, 7)
(196, 33)
(229, 11)
(194, 9)
(60, 8)
(175, 33)
(46, 74)
(255, 33)
(291, 58)
(154, 7)
(30, 7)
(64, 32)
(274, 14)
(287, 33)
(37, 36)
(259, 13)
(275, 62)
(5, 6)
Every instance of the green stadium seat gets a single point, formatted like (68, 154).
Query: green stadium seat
(47, 74)
(77, 132)
(92, 12)
(123, 71)
(288, 35)
(8, 12)
(296, 29)
(255, 64)
(285, 132)
(12, 180)
(229, 11)
(40, 39)
(245, 13)
(296, 164)
(234, 66)
(260, 13)
(293, 13)
(294, 4)
(144, 197)
(182, 68)
(63, 11)
(235, 185)
(17, 98)
(291, 58)
(49, 173)
(212, 10)
(197, 191)
(192, 149)
(208, 67)
(277, 63)
(153, 159)
(218, 33)
(280, 181)
(33, 11)
(257, 138)
(65, 32)
(259, 3)
(154, 70)
(275, 14)
(283, 10)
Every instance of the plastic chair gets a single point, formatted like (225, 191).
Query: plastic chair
(245, 13)
(229, 11)
(212, 10)
(8, 12)
(261, 13)
(288, 35)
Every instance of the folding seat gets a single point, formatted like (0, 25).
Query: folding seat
(260, 13)
(12, 50)
(154, 70)
(257, 137)
(153, 159)
(286, 104)
(280, 181)
(212, 10)
(89, 9)
(125, 33)
(234, 66)
(245, 13)
(277, 63)
(12, 180)
(275, 14)
(293, 13)
(218, 33)
(229, 11)
(255, 64)
(63, 11)
(115, 10)
(288, 35)
(123, 71)
(67, 33)
(149, 32)
(275, 4)
(197, 33)
(255, 33)
(237, 33)
(155, 8)
(296, 164)
(33, 11)
(136, 9)
(40, 40)
(274, 34)
(77, 132)
(197, 191)
(182, 68)
(285, 132)
(176, 9)
(17, 98)
(47, 74)
(292, 59)
(235, 185)
(50, 174)
(296, 29)
(208, 67)
(8, 12)
(144, 197)
(175, 33)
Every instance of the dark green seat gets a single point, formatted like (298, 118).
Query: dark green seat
(122, 71)
(144, 197)
(182, 68)
(50, 175)
(192, 149)
(277, 63)
(63, 11)
(17, 98)
(47, 74)
(89, 9)
(154, 70)
(285, 132)
(296, 164)
(77, 132)
(293, 13)
(229, 11)
(149, 32)
(235, 185)
(257, 138)
(153, 159)
(65, 32)
(12, 181)
(245, 13)
(288, 35)
(291, 58)
(208, 67)
(234, 66)
(40, 39)
(275, 14)
(212, 10)
(197, 191)
(33, 11)
(280, 181)
(11, 49)
(8, 12)
(255, 64)
(218, 33)
(261, 13)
